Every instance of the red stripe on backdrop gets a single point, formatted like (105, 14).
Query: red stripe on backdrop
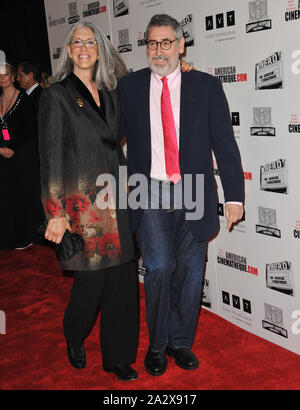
(34, 294)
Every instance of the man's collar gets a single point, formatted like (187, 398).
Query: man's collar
(30, 89)
(172, 76)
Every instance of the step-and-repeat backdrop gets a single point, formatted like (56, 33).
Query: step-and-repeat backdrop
(253, 47)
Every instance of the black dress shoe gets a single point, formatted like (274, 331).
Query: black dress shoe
(184, 358)
(123, 372)
(155, 363)
(77, 358)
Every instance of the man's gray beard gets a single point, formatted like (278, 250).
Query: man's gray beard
(163, 71)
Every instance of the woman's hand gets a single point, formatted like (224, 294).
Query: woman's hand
(6, 152)
(56, 228)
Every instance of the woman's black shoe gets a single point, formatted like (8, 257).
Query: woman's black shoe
(77, 358)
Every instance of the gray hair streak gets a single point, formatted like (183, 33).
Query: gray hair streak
(160, 20)
(108, 69)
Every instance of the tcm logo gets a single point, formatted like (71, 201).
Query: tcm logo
(296, 63)
(2, 323)
(220, 20)
(296, 325)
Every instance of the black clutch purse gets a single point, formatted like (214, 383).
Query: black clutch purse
(70, 244)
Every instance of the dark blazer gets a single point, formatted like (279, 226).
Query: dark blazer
(35, 95)
(204, 126)
(77, 145)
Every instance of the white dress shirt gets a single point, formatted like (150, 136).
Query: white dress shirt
(30, 89)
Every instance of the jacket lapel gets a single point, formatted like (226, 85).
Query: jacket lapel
(143, 101)
(83, 98)
(187, 112)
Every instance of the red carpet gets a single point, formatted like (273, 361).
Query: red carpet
(34, 294)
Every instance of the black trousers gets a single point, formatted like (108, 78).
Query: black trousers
(115, 292)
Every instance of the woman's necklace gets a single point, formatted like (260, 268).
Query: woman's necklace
(8, 105)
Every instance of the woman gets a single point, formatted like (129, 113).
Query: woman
(18, 165)
(78, 130)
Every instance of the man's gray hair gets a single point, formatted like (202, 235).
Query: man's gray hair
(108, 69)
(165, 20)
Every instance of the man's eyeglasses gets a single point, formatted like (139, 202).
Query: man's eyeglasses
(164, 45)
(88, 43)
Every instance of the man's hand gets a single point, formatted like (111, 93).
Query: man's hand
(234, 214)
(6, 152)
(56, 229)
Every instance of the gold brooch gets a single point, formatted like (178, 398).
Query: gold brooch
(80, 103)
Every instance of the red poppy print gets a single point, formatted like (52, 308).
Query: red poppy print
(90, 247)
(109, 245)
(94, 218)
(52, 207)
(75, 205)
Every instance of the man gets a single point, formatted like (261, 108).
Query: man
(29, 77)
(172, 120)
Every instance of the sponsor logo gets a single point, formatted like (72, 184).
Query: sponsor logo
(292, 11)
(296, 64)
(273, 177)
(267, 222)
(56, 53)
(187, 25)
(258, 16)
(74, 17)
(149, 3)
(236, 262)
(218, 25)
(206, 294)
(279, 277)
(55, 22)
(294, 125)
(235, 119)
(297, 230)
(220, 20)
(91, 9)
(269, 72)
(248, 176)
(141, 38)
(124, 46)
(262, 125)
(273, 321)
(229, 75)
(296, 324)
(121, 8)
(238, 305)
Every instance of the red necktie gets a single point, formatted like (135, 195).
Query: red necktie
(170, 140)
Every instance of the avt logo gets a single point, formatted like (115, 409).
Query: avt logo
(2, 323)
(296, 63)
(220, 20)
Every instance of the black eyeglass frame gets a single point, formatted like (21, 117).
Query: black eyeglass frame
(160, 43)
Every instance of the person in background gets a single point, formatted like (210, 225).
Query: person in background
(78, 131)
(17, 165)
(29, 77)
(172, 120)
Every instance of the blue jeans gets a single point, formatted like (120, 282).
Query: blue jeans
(173, 283)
